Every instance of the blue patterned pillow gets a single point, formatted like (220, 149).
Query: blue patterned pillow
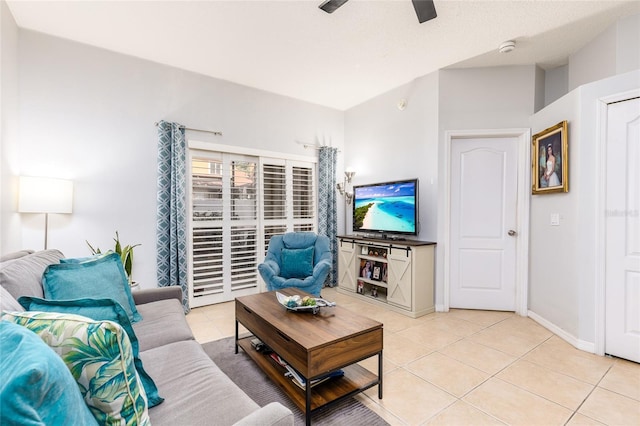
(100, 309)
(100, 358)
(35, 385)
(102, 277)
(296, 263)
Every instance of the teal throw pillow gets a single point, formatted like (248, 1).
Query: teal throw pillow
(102, 277)
(100, 309)
(296, 263)
(36, 388)
(100, 358)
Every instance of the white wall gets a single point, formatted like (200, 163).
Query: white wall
(385, 143)
(628, 44)
(564, 259)
(481, 98)
(553, 279)
(595, 61)
(614, 51)
(9, 225)
(556, 84)
(88, 115)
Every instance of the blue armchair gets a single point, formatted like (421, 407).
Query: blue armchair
(297, 259)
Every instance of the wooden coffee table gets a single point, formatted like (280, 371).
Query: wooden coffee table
(313, 345)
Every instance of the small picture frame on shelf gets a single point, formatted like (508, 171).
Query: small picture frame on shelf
(360, 287)
(364, 250)
(374, 292)
(377, 272)
(366, 267)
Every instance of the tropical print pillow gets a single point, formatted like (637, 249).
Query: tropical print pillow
(100, 358)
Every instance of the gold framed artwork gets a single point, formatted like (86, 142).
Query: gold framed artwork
(550, 160)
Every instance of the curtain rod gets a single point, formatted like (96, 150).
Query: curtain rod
(197, 130)
(315, 146)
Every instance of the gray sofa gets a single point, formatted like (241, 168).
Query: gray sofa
(196, 391)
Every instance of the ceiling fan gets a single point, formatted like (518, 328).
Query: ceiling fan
(424, 8)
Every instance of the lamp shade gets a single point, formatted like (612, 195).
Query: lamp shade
(45, 195)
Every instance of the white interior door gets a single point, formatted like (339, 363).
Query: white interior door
(483, 219)
(622, 277)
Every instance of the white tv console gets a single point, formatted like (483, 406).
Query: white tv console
(395, 273)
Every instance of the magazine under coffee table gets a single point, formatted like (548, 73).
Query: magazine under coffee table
(314, 345)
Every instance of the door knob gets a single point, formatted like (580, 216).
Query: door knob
(512, 233)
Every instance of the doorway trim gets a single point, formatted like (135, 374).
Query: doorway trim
(522, 208)
(601, 216)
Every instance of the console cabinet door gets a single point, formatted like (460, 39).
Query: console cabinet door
(399, 279)
(346, 265)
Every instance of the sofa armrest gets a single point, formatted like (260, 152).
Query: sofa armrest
(272, 414)
(141, 297)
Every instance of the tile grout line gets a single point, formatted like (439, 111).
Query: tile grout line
(590, 393)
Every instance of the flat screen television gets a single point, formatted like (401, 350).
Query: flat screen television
(389, 208)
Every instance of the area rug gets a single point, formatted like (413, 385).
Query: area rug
(248, 376)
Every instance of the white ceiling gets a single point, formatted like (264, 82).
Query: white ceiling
(339, 60)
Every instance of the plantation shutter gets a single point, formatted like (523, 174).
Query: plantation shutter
(238, 203)
(224, 227)
(303, 192)
(207, 262)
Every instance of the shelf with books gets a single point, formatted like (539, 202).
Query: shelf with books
(297, 378)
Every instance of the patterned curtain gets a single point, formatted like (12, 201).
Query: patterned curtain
(172, 209)
(327, 206)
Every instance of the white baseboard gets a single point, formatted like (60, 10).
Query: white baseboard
(440, 308)
(563, 334)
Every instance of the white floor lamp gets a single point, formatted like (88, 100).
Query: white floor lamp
(45, 195)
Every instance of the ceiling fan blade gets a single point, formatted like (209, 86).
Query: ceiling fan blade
(330, 5)
(425, 9)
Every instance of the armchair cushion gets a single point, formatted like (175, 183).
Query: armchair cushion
(296, 240)
(272, 270)
(296, 263)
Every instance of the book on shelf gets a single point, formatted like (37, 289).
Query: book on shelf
(300, 381)
(297, 378)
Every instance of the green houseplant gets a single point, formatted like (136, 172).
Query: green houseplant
(125, 253)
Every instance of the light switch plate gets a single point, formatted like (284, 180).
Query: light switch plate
(555, 219)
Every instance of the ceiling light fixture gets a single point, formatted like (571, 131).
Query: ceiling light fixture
(507, 46)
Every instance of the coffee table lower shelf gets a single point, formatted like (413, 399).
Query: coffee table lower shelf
(356, 379)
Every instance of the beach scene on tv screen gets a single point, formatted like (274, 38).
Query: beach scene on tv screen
(385, 208)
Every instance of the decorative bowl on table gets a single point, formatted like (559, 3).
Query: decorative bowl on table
(303, 304)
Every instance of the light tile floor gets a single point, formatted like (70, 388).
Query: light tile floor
(468, 367)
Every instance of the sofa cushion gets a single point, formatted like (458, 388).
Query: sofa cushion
(163, 322)
(296, 263)
(102, 277)
(15, 255)
(193, 385)
(100, 358)
(99, 310)
(23, 276)
(8, 302)
(35, 385)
